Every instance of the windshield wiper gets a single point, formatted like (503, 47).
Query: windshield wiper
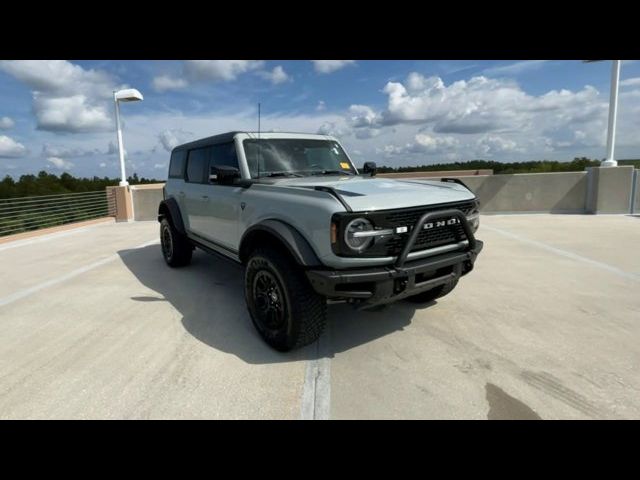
(281, 174)
(331, 172)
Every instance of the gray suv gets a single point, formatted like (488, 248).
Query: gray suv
(310, 228)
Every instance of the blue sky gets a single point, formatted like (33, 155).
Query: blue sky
(58, 115)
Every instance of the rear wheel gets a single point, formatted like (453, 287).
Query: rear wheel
(284, 308)
(176, 248)
(431, 295)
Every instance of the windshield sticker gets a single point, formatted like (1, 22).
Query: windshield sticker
(345, 165)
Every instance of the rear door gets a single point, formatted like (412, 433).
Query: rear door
(196, 190)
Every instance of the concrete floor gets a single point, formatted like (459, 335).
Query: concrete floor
(94, 325)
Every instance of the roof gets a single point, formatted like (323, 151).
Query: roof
(229, 136)
(203, 142)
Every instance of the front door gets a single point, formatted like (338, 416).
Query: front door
(222, 201)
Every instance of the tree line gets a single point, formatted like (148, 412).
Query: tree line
(45, 183)
(539, 166)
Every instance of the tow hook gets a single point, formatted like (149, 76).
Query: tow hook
(400, 284)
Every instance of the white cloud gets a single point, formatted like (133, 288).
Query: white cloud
(479, 105)
(330, 66)
(200, 71)
(321, 106)
(422, 144)
(275, 76)
(219, 70)
(630, 82)
(75, 114)
(66, 152)
(362, 116)
(66, 97)
(163, 83)
(9, 148)
(170, 139)
(334, 129)
(60, 163)
(434, 144)
(6, 123)
(489, 145)
(102, 165)
(515, 68)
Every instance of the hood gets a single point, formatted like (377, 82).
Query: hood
(365, 193)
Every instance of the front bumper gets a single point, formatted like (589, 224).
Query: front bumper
(369, 287)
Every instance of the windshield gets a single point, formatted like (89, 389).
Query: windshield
(296, 157)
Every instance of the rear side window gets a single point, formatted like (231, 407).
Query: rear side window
(224, 154)
(197, 162)
(176, 167)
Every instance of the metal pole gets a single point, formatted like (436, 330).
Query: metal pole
(613, 111)
(123, 181)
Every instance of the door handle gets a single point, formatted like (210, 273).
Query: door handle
(181, 194)
(205, 197)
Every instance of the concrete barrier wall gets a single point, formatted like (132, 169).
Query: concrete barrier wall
(146, 199)
(530, 192)
(610, 189)
(636, 203)
(596, 190)
(450, 173)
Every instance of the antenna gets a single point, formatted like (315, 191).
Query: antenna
(259, 144)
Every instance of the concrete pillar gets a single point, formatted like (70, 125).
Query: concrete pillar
(609, 189)
(124, 203)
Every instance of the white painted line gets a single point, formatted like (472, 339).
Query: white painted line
(63, 278)
(566, 253)
(50, 236)
(316, 391)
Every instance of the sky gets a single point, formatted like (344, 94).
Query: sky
(58, 115)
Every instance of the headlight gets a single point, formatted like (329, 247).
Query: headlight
(356, 236)
(474, 218)
(474, 222)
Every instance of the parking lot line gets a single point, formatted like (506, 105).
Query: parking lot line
(316, 391)
(565, 253)
(25, 292)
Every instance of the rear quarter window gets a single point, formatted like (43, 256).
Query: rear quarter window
(197, 162)
(176, 166)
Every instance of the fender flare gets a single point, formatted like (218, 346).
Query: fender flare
(171, 205)
(297, 245)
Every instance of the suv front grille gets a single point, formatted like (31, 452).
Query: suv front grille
(392, 245)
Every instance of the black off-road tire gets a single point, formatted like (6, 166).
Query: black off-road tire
(434, 293)
(302, 316)
(176, 248)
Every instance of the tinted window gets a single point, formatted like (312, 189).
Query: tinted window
(300, 156)
(176, 167)
(224, 154)
(197, 164)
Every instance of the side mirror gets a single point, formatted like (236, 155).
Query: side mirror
(369, 167)
(223, 175)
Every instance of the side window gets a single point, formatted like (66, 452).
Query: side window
(176, 166)
(196, 164)
(224, 154)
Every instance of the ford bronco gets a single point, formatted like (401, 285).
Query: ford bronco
(309, 227)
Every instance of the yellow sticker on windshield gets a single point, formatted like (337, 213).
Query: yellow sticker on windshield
(345, 165)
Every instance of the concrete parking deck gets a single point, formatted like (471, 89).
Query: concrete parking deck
(93, 324)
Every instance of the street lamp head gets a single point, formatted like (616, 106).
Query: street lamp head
(128, 95)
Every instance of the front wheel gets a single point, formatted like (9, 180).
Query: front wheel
(284, 308)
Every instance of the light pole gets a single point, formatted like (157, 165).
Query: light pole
(127, 95)
(613, 113)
